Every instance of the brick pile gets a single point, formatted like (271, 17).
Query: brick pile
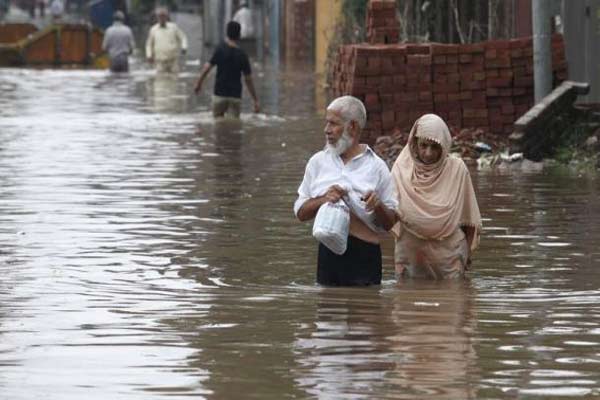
(382, 25)
(485, 85)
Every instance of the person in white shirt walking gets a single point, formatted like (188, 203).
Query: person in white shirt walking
(244, 16)
(165, 43)
(118, 42)
(57, 8)
(346, 167)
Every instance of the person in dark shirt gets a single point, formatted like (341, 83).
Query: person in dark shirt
(231, 62)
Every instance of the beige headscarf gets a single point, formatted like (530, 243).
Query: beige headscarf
(434, 199)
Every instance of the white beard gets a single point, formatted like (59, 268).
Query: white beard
(343, 143)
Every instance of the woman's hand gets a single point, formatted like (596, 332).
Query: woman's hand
(371, 201)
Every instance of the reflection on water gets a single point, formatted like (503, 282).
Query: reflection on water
(147, 251)
(166, 93)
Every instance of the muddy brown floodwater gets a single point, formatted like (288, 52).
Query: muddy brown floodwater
(147, 252)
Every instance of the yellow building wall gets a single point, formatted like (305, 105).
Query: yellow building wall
(327, 14)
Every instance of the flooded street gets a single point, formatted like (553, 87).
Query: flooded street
(149, 252)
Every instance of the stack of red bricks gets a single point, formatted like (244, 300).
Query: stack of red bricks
(485, 85)
(382, 25)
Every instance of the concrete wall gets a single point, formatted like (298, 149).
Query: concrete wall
(582, 36)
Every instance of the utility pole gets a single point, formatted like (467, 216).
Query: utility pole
(274, 28)
(542, 57)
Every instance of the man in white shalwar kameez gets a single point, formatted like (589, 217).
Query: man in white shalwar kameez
(165, 43)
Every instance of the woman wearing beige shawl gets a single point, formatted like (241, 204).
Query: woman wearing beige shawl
(439, 220)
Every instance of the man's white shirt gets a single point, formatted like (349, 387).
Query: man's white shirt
(165, 43)
(364, 173)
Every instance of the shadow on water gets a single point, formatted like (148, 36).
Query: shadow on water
(147, 250)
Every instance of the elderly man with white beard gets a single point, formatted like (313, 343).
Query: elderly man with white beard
(347, 167)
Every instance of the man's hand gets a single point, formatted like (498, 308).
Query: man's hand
(198, 87)
(334, 193)
(371, 201)
(151, 60)
(256, 107)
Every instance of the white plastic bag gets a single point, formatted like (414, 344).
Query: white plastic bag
(332, 225)
(357, 207)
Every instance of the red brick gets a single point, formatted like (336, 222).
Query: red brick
(478, 95)
(439, 48)
(471, 48)
(523, 82)
(413, 60)
(388, 119)
(472, 84)
(399, 60)
(373, 81)
(455, 96)
(390, 5)
(519, 43)
(392, 22)
(490, 53)
(475, 122)
(452, 59)
(376, 4)
(475, 113)
(523, 100)
(418, 113)
(440, 98)
(364, 50)
(498, 62)
(453, 77)
(387, 65)
(471, 67)
(466, 95)
(448, 107)
(523, 108)
(508, 109)
(498, 44)
(373, 67)
(446, 88)
(491, 92)
(358, 89)
(478, 59)
(417, 49)
(425, 96)
(465, 58)
(500, 119)
(401, 118)
(371, 101)
(399, 80)
(445, 68)
(437, 59)
(516, 53)
(386, 99)
(499, 82)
